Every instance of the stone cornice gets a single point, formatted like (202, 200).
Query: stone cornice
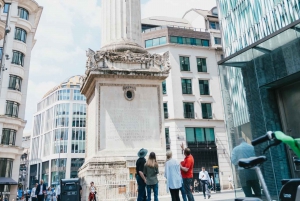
(12, 121)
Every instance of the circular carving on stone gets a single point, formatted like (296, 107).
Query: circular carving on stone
(129, 94)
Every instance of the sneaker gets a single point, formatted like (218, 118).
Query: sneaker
(208, 196)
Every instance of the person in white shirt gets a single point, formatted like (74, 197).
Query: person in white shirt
(205, 180)
(33, 195)
(57, 191)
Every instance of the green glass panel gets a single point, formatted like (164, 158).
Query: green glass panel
(190, 136)
(210, 134)
(200, 135)
(148, 43)
(205, 43)
(155, 41)
(162, 40)
(173, 39)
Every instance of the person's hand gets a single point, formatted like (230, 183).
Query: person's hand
(145, 180)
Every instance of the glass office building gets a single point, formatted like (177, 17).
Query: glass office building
(58, 138)
(260, 79)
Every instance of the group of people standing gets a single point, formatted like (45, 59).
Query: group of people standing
(179, 176)
(41, 193)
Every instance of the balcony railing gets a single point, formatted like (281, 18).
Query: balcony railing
(178, 27)
(189, 115)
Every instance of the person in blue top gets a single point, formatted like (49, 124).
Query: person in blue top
(248, 178)
(173, 176)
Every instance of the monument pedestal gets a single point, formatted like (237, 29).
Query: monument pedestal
(124, 114)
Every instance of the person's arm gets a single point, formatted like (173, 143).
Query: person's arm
(142, 174)
(234, 158)
(184, 169)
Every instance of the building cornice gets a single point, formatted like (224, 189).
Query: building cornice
(12, 122)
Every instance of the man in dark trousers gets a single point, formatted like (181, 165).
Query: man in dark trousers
(140, 177)
(41, 191)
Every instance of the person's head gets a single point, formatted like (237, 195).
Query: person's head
(151, 162)
(169, 155)
(49, 188)
(42, 181)
(27, 188)
(142, 153)
(203, 169)
(211, 176)
(36, 184)
(92, 183)
(187, 152)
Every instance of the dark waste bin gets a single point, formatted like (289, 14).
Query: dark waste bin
(70, 189)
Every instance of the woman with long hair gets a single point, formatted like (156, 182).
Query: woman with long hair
(173, 176)
(49, 196)
(151, 171)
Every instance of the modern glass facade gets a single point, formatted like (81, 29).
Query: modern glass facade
(244, 22)
(58, 136)
(259, 79)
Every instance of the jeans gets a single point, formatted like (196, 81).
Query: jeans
(155, 191)
(187, 182)
(33, 199)
(183, 193)
(175, 194)
(141, 189)
(205, 188)
(254, 184)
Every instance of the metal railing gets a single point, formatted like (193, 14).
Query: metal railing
(172, 26)
(189, 115)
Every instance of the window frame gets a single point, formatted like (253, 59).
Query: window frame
(209, 114)
(12, 84)
(205, 135)
(9, 136)
(164, 87)
(204, 90)
(182, 61)
(166, 110)
(6, 7)
(18, 58)
(20, 34)
(21, 12)
(13, 109)
(184, 86)
(217, 40)
(191, 114)
(200, 67)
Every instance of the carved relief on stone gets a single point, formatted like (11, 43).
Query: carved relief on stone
(153, 62)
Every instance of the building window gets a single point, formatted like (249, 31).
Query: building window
(8, 136)
(6, 7)
(201, 65)
(186, 85)
(20, 34)
(61, 112)
(23, 13)
(12, 109)
(58, 169)
(63, 94)
(166, 114)
(60, 140)
(206, 111)
(205, 43)
(78, 140)
(188, 110)
(189, 41)
(18, 58)
(76, 163)
(218, 41)
(164, 87)
(184, 63)
(47, 144)
(78, 96)
(214, 25)
(6, 166)
(168, 140)
(155, 42)
(204, 87)
(200, 135)
(15, 82)
(79, 115)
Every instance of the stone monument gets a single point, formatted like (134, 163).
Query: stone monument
(122, 84)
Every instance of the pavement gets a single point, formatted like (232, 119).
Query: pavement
(225, 195)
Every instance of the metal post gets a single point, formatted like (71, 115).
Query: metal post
(263, 183)
(2, 64)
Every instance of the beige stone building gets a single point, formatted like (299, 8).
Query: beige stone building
(23, 19)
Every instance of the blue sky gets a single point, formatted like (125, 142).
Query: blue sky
(69, 27)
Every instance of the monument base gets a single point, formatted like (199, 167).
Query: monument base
(114, 177)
